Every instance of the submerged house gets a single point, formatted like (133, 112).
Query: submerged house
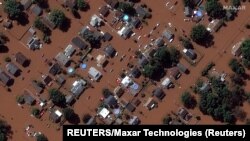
(5, 78)
(12, 69)
(21, 59)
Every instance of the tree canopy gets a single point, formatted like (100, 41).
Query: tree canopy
(199, 34)
(86, 118)
(245, 49)
(188, 100)
(5, 130)
(82, 4)
(235, 3)
(3, 39)
(41, 137)
(57, 97)
(12, 8)
(214, 9)
(153, 69)
(39, 25)
(57, 17)
(70, 115)
(127, 8)
(188, 3)
(35, 112)
(236, 67)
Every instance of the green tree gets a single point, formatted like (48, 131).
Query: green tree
(152, 70)
(35, 112)
(20, 99)
(5, 130)
(106, 92)
(127, 8)
(57, 17)
(245, 49)
(42, 27)
(41, 137)
(163, 56)
(188, 100)
(214, 9)
(82, 4)
(86, 118)
(12, 8)
(174, 55)
(236, 67)
(235, 3)
(57, 97)
(186, 43)
(199, 34)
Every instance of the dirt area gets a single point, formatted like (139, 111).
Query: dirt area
(19, 118)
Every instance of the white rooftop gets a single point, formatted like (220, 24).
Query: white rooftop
(58, 113)
(104, 112)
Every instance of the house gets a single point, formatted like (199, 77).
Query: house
(141, 12)
(79, 43)
(158, 92)
(26, 3)
(182, 68)
(55, 116)
(21, 59)
(107, 37)
(60, 79)
(135, 22)
(126, 81)
(135, 73)
(101, 60)
(69, 99)
(118, 91)
(69, 50)
(28, 98)
(236, 49)
(77, 87)
(167, 83)
(55, 69)
(95, 21)
(12, 69)
(130, 107)
(48, 22)
(94, 73)
(125, 32)
(110, 101)
(168, 35)
(134, 120)
(34, 43)
(175, 73)
(188, 11)
(37, 87)
(190, 53)
(205, 88)
(104, 11)
(109, 51)
(5, 78)
(159, 42)
(112, 3)
(84, 30)
(62, 59)
(150, 103)
(143, 61)
(36, 10)
(69, 3)
(103, 113)
(46, 79)
(214, 25)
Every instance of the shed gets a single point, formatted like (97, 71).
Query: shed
(168, 35)
(60, 79)
(130, 107)
(190, 53)
(188, 11)
(26, 3)
(69, 99)
(21, 59)
(159, 42)
(158, 92)
(110, 101)
(36, 10)
(12, 69)
(69, 50)
(109, 51)
(107, 36)
(79, 43)
(55, 69)
(5, 78)
(167, 83)
(28, 98)
(104, 11)
(62, 59)
(182, 68)
(175, 73)
(94, 73)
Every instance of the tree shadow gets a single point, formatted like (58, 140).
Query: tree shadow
(85, 9)
(66, 25)
(23, 19)
(75, 119)
(4, 49)
(76, 14)
(135, 1)
(208, 42)
(44, 5)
